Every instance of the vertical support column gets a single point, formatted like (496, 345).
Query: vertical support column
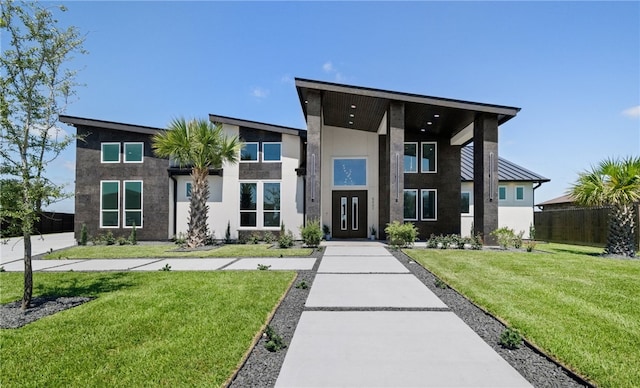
(314, 126)
(395, 139)
(485, 176)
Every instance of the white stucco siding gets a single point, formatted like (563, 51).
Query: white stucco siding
(347, 143)
(512, 212)
(291, 186)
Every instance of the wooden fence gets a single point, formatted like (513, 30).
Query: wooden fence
(583, 226)
(49, 222)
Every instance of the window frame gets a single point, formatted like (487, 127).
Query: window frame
(256, 201)
(435, 157)
(124, 152)
(468, 193)
(346, 187)
(124, 204)
(516, 193)
(266, 143)
(102, 152)
(418, 159)
(416, 204)
(102, 210)
(257, 160)
(435, 205)
(506, 193)
(187, 189)
(262, 208)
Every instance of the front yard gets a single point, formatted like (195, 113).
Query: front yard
(580, 308)
(143, 328)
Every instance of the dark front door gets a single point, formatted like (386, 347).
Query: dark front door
(349, 214)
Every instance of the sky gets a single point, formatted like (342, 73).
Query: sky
(573, 67)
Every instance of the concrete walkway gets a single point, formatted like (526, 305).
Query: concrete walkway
(369, 322)
(13, 250)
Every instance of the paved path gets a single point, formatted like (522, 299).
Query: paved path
(13, 250)
(369, 322)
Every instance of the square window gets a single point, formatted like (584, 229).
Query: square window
(464, 204)
(429, 157)
(271, 152)
(133, 152)
(410, 157)
(110, 153)
(502, 193)
(349, 172)
(411, 204)
(249, 152)
(520, 193)
(429, 205)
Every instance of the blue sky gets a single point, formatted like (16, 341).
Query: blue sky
(573, 67)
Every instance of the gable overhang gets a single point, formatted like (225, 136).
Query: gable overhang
(85, 122)
(257, 125)
(362, 108)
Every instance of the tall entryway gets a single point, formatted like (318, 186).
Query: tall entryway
(349, 214)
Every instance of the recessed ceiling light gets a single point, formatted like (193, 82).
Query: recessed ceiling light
(436, 116)
(353, 107)
(352, 115)
(429, 123)
(350, 122)
(423, 130)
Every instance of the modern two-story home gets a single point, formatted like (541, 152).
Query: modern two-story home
(367, 157)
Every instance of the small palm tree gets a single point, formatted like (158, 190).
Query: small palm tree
(200, 145)
(615, 183)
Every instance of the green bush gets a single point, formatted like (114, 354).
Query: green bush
(274, 340)
(286, 238)
(108, 238)
(505, 236)
(227, 233)
(84, 235)
(133, 237)
(254, 238)
(311, 233)
(510, 338)
(268, 237)
(401, 235)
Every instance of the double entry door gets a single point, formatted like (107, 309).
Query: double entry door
(349, 214)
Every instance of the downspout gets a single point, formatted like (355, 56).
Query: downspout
(533, 205)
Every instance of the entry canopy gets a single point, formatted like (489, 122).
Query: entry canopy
(363, 109)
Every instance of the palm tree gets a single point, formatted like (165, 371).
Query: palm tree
(614, 183)
(200, 145)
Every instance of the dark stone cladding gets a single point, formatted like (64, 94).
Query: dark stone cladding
(447, 183)
(90, 171)
(259, 170)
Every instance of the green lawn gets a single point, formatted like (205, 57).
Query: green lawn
(144, 328)
(168, 250)
(580, 308)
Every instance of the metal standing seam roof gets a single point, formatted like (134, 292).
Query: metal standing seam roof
(507, 171)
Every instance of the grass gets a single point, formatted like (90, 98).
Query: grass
(579, 308)
(143, 329)
(168, 250)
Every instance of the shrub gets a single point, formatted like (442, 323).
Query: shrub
(432, 242)
(166, 268)
(108, 238)
(263, 267)
(285, 240)
(274, 340)
(311, 233)
(401, 235)
(268, 237)
(325, 229)
(84, 235)
(254, 238)
(476, 242)
(440, 284)
(530, 246)
(227, 233)
(211, 239)
(517, 240)
(180, 239)
(302, 285)
(532, 231)
(133, 237)
(505, 236)
(510, 338)
(122, 241)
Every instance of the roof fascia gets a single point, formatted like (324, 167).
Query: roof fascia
(257, 125)
(75, 121)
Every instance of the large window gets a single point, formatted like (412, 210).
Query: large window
(271, 204)
(429, 157)
(350, 172)
(520, 193)
(464, 203)
(133, 152)
(133, 203)
(410, 157)
(249, 152)
(248, 204)
(109, 204)
(429, 205)
(271, 152)
(411, 204)
(110, 153)
(502, 193)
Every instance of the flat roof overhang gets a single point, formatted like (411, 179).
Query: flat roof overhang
(363, 109)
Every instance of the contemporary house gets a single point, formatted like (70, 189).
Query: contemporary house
(367, 157)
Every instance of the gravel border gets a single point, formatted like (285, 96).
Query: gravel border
(13, 317)
(262, 367)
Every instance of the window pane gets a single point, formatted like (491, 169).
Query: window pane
(271, 152)
(188, 190)
(519, 193)
(272, 196)
(111, 152)
(410, 157)
(249, 152)
(110, 196)
(248, 196)
(133, 217)
(349, 172)
(410, 209)
(132, 152)
(247, 219)
(109, 218)
(428, 204)
(464, 206)
(272, 219)
(428, 157)
(502, 193)
(133, 196)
